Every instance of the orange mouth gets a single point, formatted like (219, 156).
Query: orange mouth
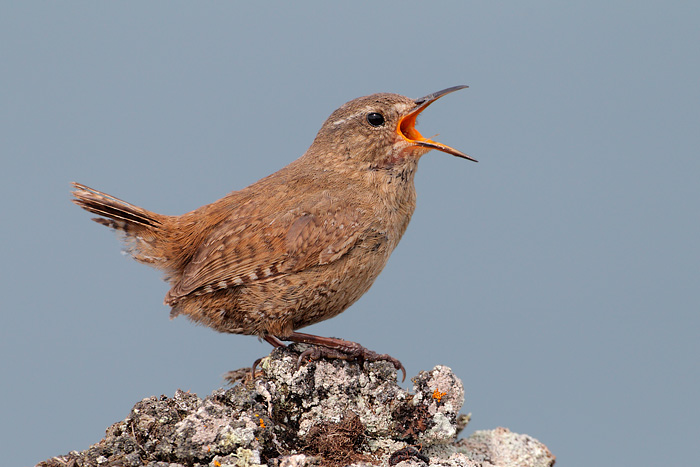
(407, 125)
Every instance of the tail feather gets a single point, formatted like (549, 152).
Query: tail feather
(113, 208)
(143, 230)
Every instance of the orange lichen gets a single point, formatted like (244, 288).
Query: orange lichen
(262, 422)
(437, 395)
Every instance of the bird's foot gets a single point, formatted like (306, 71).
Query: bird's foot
(359, 353)
(330, 347)
(273, 341)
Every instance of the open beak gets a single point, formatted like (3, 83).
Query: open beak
(407, 125)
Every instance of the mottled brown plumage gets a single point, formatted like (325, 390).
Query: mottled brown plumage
(299, 246)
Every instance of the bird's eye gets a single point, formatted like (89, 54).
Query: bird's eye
(375, 119)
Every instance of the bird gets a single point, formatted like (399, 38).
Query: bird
(298, 246)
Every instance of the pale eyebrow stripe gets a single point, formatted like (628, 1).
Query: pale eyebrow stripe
(350, 117)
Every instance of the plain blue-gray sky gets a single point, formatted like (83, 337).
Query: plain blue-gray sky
(558, 277)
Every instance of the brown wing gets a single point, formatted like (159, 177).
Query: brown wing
(246, 250)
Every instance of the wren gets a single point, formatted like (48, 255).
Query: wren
(298, 246)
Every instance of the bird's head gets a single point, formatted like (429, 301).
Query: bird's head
(378, 131)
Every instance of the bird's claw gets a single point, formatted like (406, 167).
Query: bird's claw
(255, 365)
(356, 352)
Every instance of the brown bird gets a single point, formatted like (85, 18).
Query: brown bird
(299, 246)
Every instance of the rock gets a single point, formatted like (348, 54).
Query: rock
(326, 413)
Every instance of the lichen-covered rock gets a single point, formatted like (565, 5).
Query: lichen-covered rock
(328, 413)
(503, 448)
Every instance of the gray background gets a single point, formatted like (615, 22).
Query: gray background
(558, 277)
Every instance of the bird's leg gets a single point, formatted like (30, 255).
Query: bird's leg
(274, 341)
(331, 347)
